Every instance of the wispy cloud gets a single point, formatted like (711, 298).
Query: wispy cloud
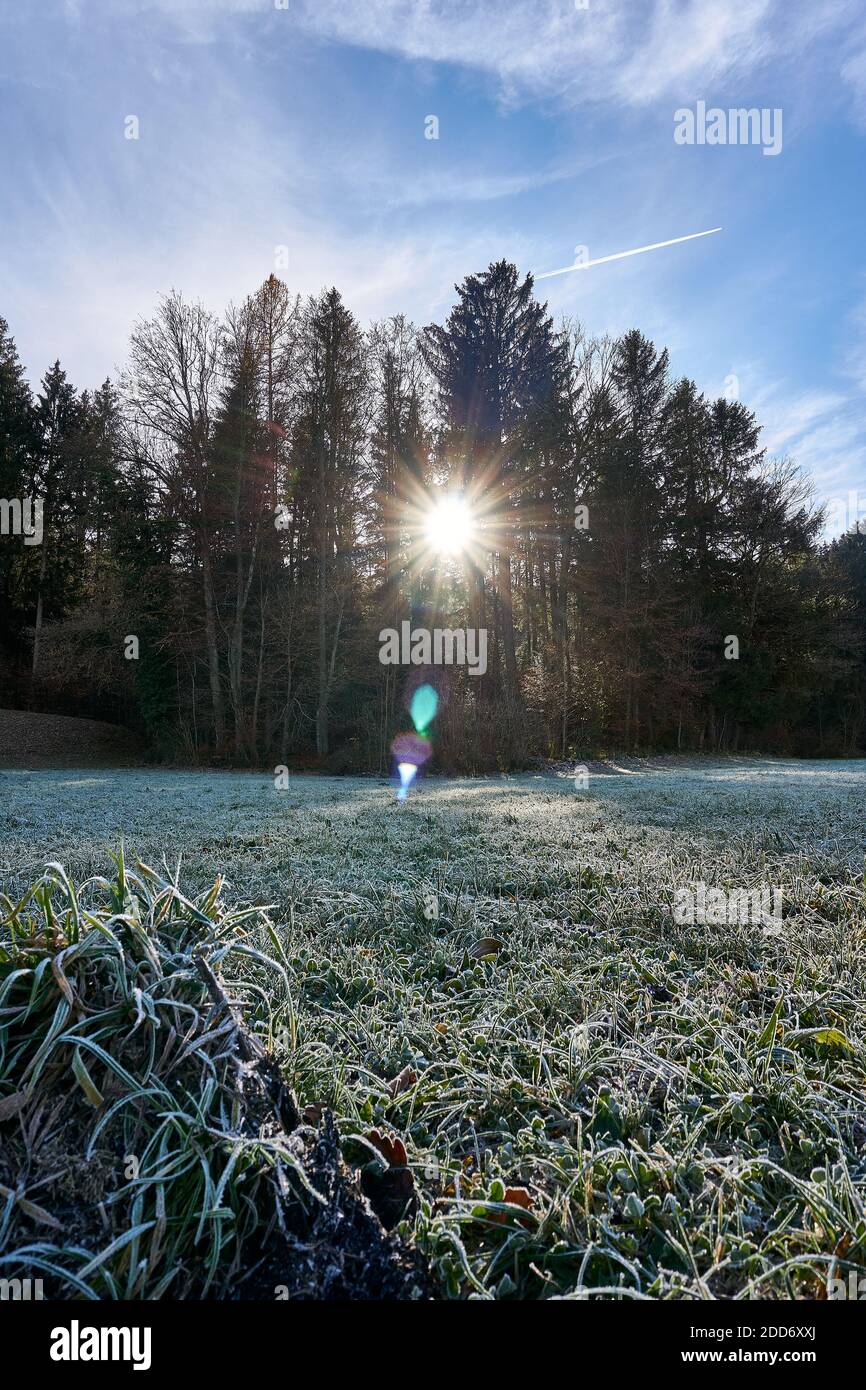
(823, 430)
(608, 51)
(420, 188)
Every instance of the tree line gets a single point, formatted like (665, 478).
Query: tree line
(229, 526)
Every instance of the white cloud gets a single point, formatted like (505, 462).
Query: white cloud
(696, 43)
(611, 50)
(630, 53)
(822, 430)
(854, 75)
(83, 304)
(619, 51)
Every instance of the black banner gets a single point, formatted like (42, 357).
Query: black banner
(223, 1339)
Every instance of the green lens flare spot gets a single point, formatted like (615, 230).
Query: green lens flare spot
(423, 708)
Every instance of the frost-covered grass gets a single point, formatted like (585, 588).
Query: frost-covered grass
(686, 1106)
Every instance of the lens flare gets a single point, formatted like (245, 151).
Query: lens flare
(423, 707)
(412, 750)
(406, 773)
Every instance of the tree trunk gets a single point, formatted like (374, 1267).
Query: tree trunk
(254, 728)
(37, 628)
(506, 612)
(213, 659)
(287, 713)
(322, 708)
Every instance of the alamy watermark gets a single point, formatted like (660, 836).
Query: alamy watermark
(77, 1343)
(718, 907)
(852, 1288)
(439, 646)
(738, 126)
(22, 516)
(846, 513)
(20, 1290)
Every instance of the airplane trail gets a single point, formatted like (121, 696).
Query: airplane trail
(620, 255)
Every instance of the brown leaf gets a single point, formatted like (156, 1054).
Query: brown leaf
(403, 1082)
(390, 1146)
(10, 1105)
(519, 1197)
(39, 1214)
(313, 1114)
(62, 983)
(487, 946)
(514, 1197)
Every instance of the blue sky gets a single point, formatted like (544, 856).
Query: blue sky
(304, 127)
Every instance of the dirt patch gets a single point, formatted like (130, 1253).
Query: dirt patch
(336, 1248)
(58, 740)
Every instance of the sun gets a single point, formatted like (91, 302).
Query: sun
(450, 527)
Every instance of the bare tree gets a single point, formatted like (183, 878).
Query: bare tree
(170, 390)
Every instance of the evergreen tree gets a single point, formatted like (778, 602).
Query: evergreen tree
(18, 446)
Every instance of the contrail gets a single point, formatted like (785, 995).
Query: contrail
(620, 255)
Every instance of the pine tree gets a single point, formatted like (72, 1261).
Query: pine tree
(333, 418)
(60, 418)
(18, 446)
(497, 363)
